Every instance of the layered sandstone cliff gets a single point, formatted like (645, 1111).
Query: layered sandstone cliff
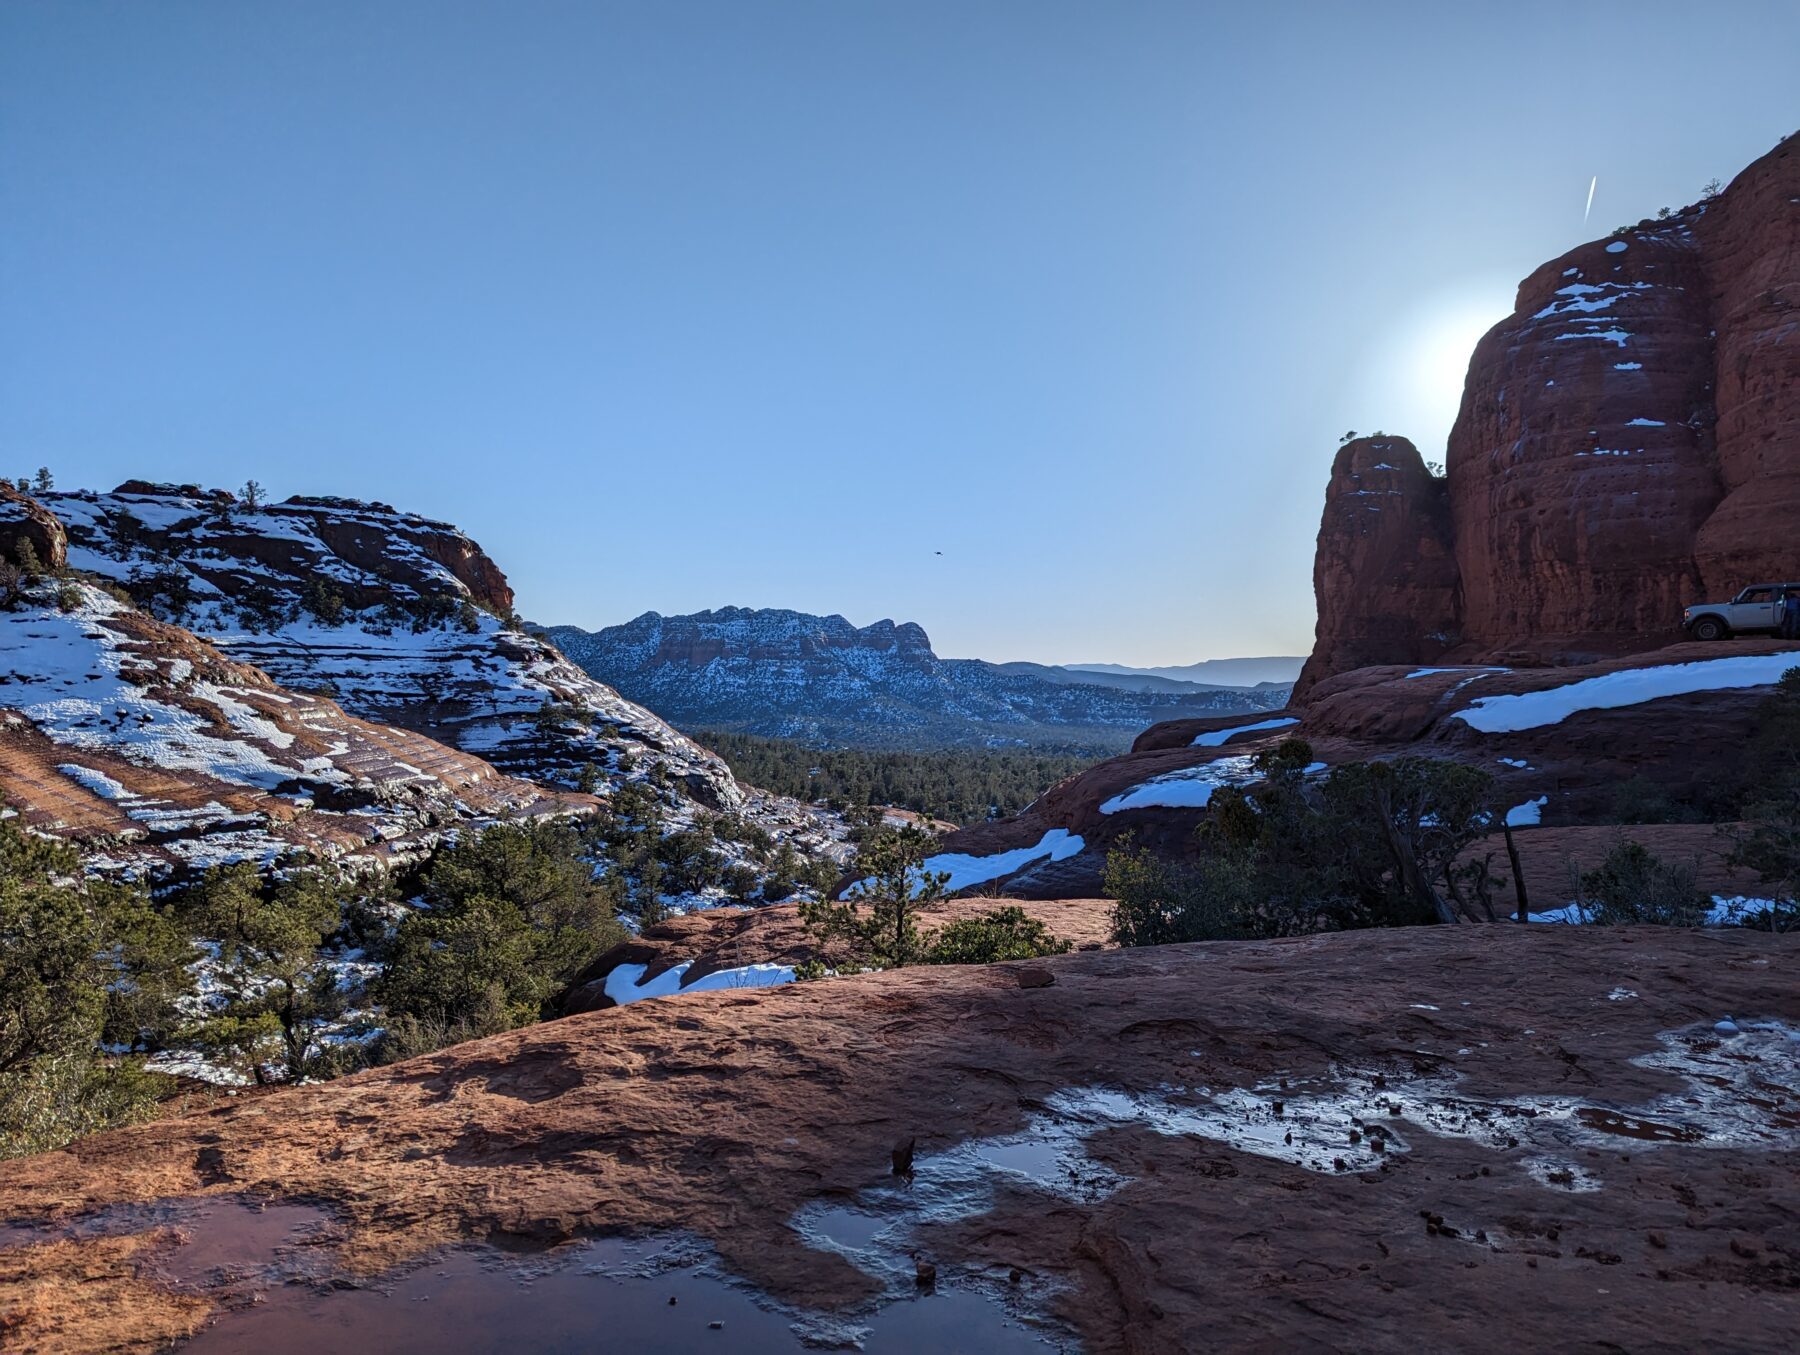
(1629, 441)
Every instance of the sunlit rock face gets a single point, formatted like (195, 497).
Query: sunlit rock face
(1628, 442)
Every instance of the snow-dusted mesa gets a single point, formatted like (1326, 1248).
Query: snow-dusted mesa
(965, 870)
(1189, 788)
(1627, 687)
(1058, 844)
(787, 674)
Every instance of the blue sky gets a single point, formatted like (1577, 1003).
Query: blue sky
(679, 305)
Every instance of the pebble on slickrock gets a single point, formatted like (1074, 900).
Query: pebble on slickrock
(715, 1326)
(924, 1274)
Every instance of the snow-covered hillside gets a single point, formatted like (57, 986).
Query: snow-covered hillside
(157, 752)
(792, 675)
(398, 618)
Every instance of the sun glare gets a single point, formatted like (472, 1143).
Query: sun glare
(1413, 382)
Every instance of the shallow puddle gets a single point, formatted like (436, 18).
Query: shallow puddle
(601, 1296)
(223, 1241)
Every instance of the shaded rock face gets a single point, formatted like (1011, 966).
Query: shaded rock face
(1582, 465)
(24, 522)
(1384, 576)
(787, 674)
(1628, 443)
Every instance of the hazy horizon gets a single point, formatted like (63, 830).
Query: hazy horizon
(676, 306)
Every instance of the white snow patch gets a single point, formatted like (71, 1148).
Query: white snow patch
(1645, 423)
(626, 982)
(1189, 788)
(1615, 336)
(1628, 687)
(1527, 815)
(1726, 911)
(965, 870)
(1617, 247)
(1628, 366)
(1218, 737)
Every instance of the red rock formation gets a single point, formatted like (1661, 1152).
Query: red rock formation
(1384, 575)
(1750, 247)
(1581, 464)
(1629, 440)
(24, 522)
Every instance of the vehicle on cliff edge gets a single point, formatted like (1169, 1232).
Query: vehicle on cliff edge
(1757, 608)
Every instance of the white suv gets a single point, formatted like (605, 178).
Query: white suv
(1757, 608)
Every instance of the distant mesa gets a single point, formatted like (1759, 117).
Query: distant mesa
(794, 675)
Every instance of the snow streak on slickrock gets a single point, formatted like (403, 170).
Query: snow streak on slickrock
(155, 751)
(1629, 440)
(400, 619)
(788, 674)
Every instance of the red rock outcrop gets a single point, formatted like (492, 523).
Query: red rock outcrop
(1750, 248)
(727, 938)
(1629, 441)
(1385, 577)
(1687, 744)
(24, 522)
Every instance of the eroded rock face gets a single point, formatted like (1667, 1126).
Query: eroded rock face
(1384, 575)
(1628, 443)
(29, 530)
(1750, 249)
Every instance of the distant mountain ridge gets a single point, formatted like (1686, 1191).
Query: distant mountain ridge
(1276, 670)
(788, 674)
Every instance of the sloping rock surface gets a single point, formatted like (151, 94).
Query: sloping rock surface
(1457, 1138)
(787, 674)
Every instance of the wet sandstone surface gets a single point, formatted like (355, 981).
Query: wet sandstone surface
(1465, 1137)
